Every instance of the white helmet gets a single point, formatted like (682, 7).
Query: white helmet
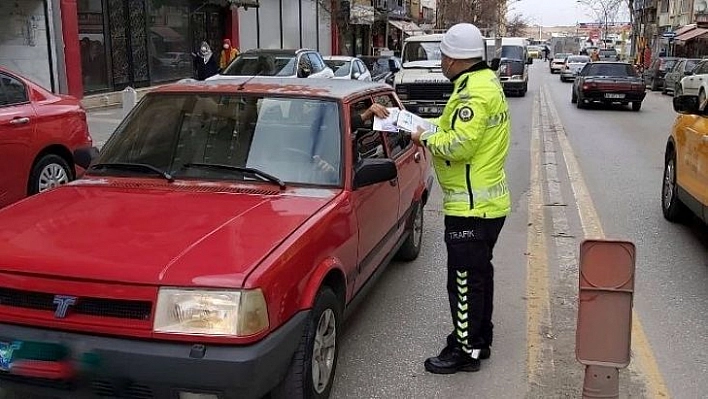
(462, 42)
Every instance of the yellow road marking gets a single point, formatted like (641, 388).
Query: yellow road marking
(592, 228)
(537, 296)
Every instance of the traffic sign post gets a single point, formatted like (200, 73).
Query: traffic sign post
(604, 332)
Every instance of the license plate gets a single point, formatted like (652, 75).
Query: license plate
(7, 351)
(614, 95)
(430, 110)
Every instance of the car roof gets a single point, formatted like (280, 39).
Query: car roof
(325, 88)
(276, 51)
(435, 37)
(339, 58)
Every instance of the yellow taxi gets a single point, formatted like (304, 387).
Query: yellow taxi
(685, 187)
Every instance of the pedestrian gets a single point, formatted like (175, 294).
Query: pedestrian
(469, 149)
(228, 53)
(546, 51)
(204, 62)
(595, 56)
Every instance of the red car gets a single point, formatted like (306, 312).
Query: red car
(213, 247)
(39, 132)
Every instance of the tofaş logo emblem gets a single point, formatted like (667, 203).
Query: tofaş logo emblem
(63, 303)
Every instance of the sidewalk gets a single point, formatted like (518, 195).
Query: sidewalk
(111, 99)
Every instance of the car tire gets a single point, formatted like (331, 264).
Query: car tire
(410, 249)
(49, 172)
(580, 102)
(672, 207)
(573, 98)
(636, 106)
(299, 382)
(701, 100)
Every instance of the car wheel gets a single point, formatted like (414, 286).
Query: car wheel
(311, 372)
(49, 172)
(636, 106)
(671, 205)
(702, 100)
(411, 246)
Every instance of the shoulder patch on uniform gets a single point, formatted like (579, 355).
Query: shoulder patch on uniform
(465, 114)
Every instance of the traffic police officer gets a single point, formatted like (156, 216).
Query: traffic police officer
(469, 150)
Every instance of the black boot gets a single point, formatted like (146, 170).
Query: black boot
(484, 351)
(450, 361)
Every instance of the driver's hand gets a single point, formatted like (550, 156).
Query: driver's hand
(323, 165)
(377, 110)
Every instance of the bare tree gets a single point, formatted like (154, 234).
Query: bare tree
(516, 26)
(483, 13)
(606, 11)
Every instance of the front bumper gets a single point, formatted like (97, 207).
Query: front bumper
(426, 110)
(513, 85)
(129, 368)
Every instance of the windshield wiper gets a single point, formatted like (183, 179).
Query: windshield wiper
(252, 171)
(134, 167)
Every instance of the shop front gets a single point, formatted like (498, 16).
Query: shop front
(26, 40)
(139, 43)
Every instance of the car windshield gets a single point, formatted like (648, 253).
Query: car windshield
(421, 51)
(262, 65)
(280, 136)
(618, 70)
(578, 59)
(512, 52)
(341, 68)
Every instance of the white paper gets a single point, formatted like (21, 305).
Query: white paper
(410, 122)
(388, 124)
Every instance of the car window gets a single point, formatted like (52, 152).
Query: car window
(341, 68)
(397, 142)
(689, 65)
(13, 91)
(421, 51)
(277, 135)
(304, 64)
(368, 144)
(702, 68)
(600, 69)
(318, 64)
(262, 65)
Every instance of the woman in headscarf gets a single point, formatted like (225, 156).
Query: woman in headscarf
(205, 62)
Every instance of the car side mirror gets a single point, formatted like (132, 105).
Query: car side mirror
(372, 171)
(686, 105)
(494, 65)
(84, 156)
(392, 66)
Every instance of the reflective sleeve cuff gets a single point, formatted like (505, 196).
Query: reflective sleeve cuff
(426, 135)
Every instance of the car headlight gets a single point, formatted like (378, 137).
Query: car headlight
(517, 77)
(210, 312)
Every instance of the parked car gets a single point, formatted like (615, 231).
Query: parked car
(696, 83)
(608, 82)
(654, 75)
(345, 67)
(383, 69)
(572, 67)
(685, 186)
(39, 132)
(558, 61)
(672, 80)
(302, 63)
(608, 54)
(213, 254)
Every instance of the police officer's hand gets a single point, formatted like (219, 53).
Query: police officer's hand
(376, 110)
(415, 136)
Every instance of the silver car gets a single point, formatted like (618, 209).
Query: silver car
(573, 65)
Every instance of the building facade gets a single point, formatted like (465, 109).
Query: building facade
(27, 40)
(670, 28)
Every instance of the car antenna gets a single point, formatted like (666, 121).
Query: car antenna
(242, 85)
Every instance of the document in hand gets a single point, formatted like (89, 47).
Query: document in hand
(399, 119)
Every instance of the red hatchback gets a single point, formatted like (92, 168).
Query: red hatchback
(214, 247)
(39, 132)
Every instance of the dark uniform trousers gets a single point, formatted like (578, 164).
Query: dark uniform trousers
(470, 279)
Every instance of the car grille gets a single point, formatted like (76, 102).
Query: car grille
(434, 91)
(101, 307)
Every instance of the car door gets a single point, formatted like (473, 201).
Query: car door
(365, 74)
(408, 158)
(376, 206)
(692, 84)
(672, 75)
(17, 125)
(691, 150)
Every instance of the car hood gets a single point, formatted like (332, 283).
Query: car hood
(184, 237)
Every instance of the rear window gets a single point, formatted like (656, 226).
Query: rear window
(512, 52)
(666, 64)
(600, 69)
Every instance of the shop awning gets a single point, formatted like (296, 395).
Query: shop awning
(692, 34)
(680, 31)
(168, 34)
(409, 28)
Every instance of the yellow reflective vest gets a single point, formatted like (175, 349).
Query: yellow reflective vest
(470, 147)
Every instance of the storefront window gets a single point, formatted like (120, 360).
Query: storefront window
(168, 44)
(94, 63)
